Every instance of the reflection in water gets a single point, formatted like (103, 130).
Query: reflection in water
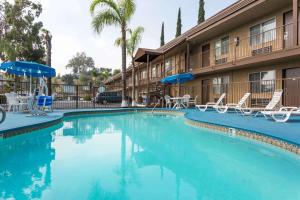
(25, 176)
(140, 156)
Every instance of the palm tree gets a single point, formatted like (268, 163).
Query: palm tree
(48, 43)
(132, 45)
(117, 13)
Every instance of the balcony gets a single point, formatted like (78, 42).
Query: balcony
(143, 82)
(155, 79)
(252, 47)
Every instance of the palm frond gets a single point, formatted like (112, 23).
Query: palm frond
(135, 39)
(118, 42)
(103, 18)
(127, 8)
(105, 4)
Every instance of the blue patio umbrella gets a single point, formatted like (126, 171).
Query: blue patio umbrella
(33, 69)
(24, 68)
(178, 79)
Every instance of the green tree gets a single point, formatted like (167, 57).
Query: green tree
(179, 25)
(20, 32)
(201, 12)
(116, 71)
(132, 45)
(116, 13)
(105, 73)
(162, 35)
(68, 79)
(81, 63)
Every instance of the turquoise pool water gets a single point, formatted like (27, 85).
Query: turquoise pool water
(142, 157)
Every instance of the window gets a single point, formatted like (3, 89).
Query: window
(222, 47)
(220, 84)
(154, 72)
(263, 33)
(262, 81)
(144, 74)
(169, 65)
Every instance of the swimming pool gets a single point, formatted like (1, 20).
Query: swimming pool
(142, 156)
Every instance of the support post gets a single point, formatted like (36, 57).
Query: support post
(187, 62)
(164, 66)
(77, 96)
(295, 23)
(148, 79)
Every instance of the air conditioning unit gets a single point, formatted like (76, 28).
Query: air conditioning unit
(221, 61)
(264, 50)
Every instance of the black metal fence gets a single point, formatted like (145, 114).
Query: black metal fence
(87, 96)
(67, 96)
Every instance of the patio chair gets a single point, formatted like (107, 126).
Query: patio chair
(44, 102)
(186, 100)
(168, 101)
(234, 106)
(214, 105)
(272, 106)
(13, 102)
(285, 114)
(193, 101)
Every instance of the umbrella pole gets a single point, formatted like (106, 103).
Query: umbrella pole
(30, 85)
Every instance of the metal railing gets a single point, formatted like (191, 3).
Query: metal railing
(267, 42)
(261, 91)
(67, 96)
(85, 96)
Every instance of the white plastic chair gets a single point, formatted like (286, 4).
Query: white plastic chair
(13, 103)
(214, 105)
(236, 107)
(267, 111)
(193, 101)
(186, 100)
(168, 101)
(285, 113)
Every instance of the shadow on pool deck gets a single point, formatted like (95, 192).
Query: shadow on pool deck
(289, 131)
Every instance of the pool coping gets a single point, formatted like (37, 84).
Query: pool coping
(233, 131)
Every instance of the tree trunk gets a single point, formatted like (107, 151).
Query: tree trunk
(133, 83)
(48, 61)
(124, 101)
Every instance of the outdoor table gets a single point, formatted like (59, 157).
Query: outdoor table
(178, 102)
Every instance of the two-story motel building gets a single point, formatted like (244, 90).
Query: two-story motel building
(251, 46)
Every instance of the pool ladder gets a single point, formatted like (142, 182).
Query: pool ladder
(161, 99)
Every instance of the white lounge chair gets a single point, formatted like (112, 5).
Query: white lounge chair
(285, 113)
(214, 105)
(272, 106)
(234, 106)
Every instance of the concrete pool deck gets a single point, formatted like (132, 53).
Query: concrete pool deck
(288, 132)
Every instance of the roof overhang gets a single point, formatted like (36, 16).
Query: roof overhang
(142, 55)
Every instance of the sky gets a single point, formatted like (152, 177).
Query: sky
(70, 24)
